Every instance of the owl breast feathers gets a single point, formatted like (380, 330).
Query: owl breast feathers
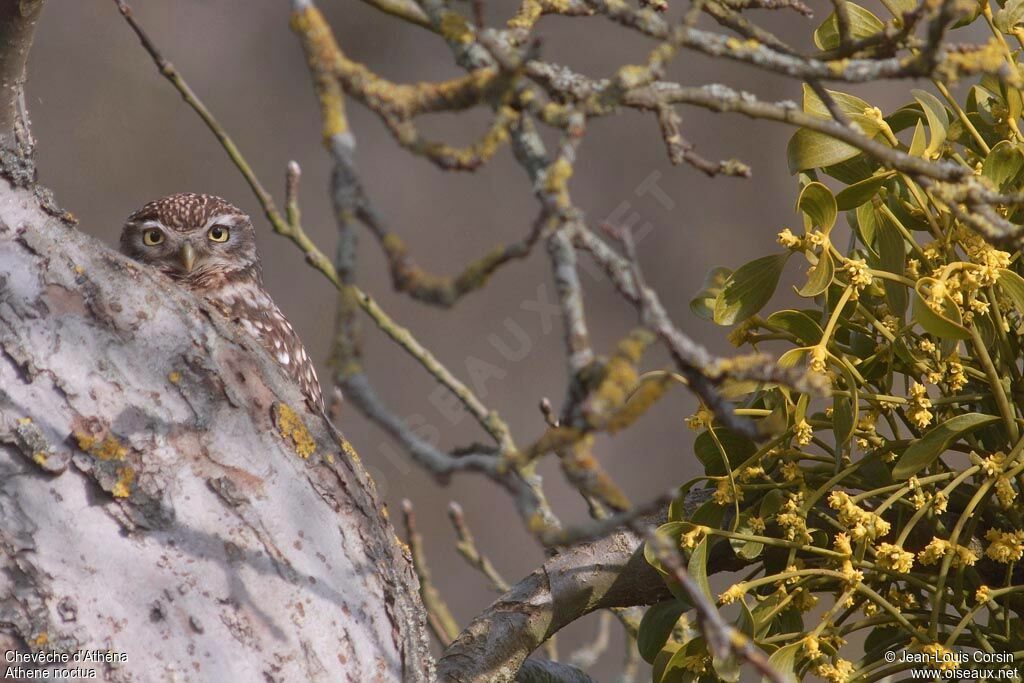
(209, 246)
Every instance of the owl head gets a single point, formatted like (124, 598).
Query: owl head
(199, 240)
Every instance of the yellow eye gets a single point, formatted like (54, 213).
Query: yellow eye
(152, 237)
(218, 233)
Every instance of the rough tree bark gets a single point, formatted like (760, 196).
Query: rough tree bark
(164, 492)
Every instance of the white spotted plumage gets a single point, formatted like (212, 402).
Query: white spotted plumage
(225, 272)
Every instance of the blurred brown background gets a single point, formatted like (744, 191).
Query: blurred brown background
(113, 135)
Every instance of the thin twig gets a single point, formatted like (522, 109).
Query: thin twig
(599, 528)
(439, 617)
(468, 549)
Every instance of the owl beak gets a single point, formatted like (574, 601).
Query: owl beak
(188, 257)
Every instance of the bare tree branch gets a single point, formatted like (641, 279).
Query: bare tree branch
(17, 27)
(610, 572)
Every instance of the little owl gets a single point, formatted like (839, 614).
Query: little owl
(209, 246)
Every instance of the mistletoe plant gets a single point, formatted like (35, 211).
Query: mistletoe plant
(885, 519)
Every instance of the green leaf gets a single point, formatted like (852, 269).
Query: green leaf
(903, 6)
(797, 323)
(818, 205)
(749, 288)
(810, 149)
(1003, 164)
(892, 258)
(677, 508)
(938, 121)
(919, 142)
(1010, 16)
(845, 410)
(924, 451)
(672, 531)
(748, 550)
(948, 324)
(861, 192)
(875, 471)
(1012, 285)
(852, 170)
(709, 514)
(656, 627)
(762, 613)
(666, 668)
(745, 621)
(728, 668)
(867, 225)
(820, 277)
(792, 620)
(736, 446)
(792, 358)
(862, 24)
(771, 503)
(671, 665)
(883, 639)
(698, 569)
(851, 105)
(704, 303)
(784, 660)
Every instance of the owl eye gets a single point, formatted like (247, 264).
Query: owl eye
(152, 237)
(218, 233)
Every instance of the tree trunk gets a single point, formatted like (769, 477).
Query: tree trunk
(169, 508)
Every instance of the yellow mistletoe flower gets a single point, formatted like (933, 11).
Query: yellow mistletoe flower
(700, 419)
(895, 558)
(816, 239)
(734, 593)
(790, 241)
(793, 523)
(812, 647)
(791, 471)
(860, 523)
(1004, 546)
(840, 672)
(1005, 492)
(956, 378)
(751, 473)
(842, 544)
(857, 270)
(804, 600)
(934, 551)
(918, 411)
(938, 548)
(938, 653)
(993, 465)
(819, 356)
(726, 493)
(803, 433)
(691, 538)
(901, 598)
